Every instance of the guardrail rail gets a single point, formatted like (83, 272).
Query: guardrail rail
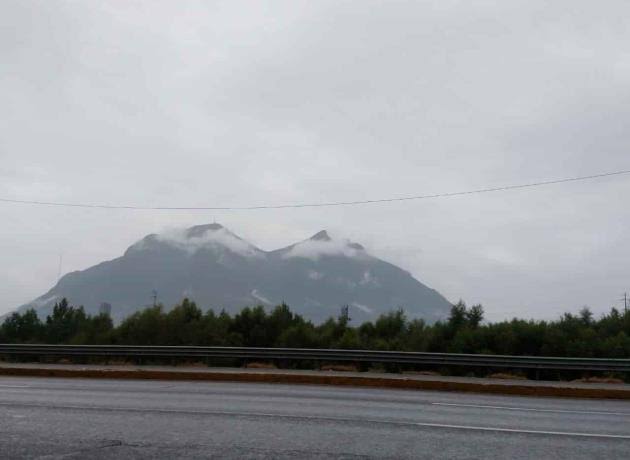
(328, 355)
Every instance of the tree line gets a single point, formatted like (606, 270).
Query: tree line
(464, 331)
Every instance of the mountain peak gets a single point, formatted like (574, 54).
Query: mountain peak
(321, 236)
(200, 230)
(213, 237)
(323, 245)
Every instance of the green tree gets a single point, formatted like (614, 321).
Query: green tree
(96, 330)
(25, 327)
(64, 323)
(145, 327)
(474, 316)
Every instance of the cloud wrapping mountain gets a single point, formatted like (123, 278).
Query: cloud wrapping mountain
(220, 270)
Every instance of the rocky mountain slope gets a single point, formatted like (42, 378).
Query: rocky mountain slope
(219, 270)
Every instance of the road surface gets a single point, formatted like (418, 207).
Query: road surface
(81, 418)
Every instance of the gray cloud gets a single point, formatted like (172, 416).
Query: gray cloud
(230, 103)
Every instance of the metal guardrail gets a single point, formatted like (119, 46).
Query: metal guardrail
(329, 355)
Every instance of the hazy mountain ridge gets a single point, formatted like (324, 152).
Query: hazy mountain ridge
(220, 270)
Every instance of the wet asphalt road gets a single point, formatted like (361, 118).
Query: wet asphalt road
(80, 418)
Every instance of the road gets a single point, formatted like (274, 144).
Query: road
(81, 418)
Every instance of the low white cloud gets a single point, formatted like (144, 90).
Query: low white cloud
(258, 296)
(369, 280)
(315, 249)
(363, 308)
(214, 239)
(315, 275)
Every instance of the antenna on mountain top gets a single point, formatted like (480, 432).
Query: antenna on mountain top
(626, 301)
(59, 268)
(154, 296)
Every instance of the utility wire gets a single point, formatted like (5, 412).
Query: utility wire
(317, 205)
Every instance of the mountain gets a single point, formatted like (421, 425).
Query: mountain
(218, 269)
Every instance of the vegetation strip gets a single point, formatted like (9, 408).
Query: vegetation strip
(324, 379)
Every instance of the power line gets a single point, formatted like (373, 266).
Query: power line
(316, 205)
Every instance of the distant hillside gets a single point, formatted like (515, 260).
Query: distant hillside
(219, 270)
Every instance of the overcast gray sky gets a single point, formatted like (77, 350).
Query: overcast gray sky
(243, 103)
